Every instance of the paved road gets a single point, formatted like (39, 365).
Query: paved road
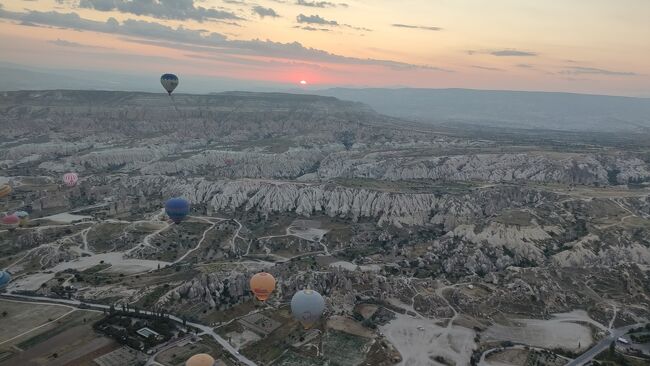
(601, 346)
(204, 328)
(169, 345)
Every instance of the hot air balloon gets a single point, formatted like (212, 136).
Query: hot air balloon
(262, 284)
(5, 278)
(177, 209)
(169, 82)
(23, 216)
(201, 359)
(5, 190)
(70, 179)
(11, 220)
(307, 306)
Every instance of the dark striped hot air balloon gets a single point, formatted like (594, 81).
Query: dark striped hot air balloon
(177, 209)
(169, 82)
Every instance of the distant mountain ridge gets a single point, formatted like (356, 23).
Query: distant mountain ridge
(444, 107)
(506, 109)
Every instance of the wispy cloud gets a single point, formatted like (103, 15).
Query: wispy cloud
(64, 43)
(166, 9)
(166, 36)
(320, 4)
(265, 12)
(312, 29)
(516, 53)
(579, 70)
(486, 68)
(318, 20)
(315, 19)
(510, 52)
(409, 26)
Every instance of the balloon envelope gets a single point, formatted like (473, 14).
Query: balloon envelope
(70, 179)
(200, 359)
(177, 209)
(5, 190)
(4, 278)
(21, 214)
(262, 284)
(307, 306)
(10, 219)
(169, 82)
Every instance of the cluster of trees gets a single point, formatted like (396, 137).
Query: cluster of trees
(122, 325)
(641, 338)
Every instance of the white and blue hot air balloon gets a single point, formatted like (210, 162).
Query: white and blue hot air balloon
(169, 82)
(307, 306)
(5, 278)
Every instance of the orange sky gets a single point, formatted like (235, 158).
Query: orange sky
(594, 46)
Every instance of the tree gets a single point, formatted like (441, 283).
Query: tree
(347, 138)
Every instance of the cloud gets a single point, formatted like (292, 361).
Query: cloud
(162, 9)
(578, 70)
(512, 52)
(315, 19)
(503, 53)
(318, 20)
(165, 36)
(262, 63)
(525, 66)
(264, 12)
(320, 4)
(64, 43)
(312, 29)
(362, 29)
(486, 68)
(416, 27)
(28, 24)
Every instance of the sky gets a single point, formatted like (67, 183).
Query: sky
(584, 46)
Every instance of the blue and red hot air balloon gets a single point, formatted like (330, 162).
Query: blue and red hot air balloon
(177, 209)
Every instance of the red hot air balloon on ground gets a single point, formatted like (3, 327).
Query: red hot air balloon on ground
(70, 179)
(10, 220)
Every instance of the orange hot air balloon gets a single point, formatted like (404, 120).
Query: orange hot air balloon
(201, 359)
(262, 284)
(5, 190)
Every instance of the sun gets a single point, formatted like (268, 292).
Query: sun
(303, 82)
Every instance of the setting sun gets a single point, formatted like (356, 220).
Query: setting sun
(303, 82)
